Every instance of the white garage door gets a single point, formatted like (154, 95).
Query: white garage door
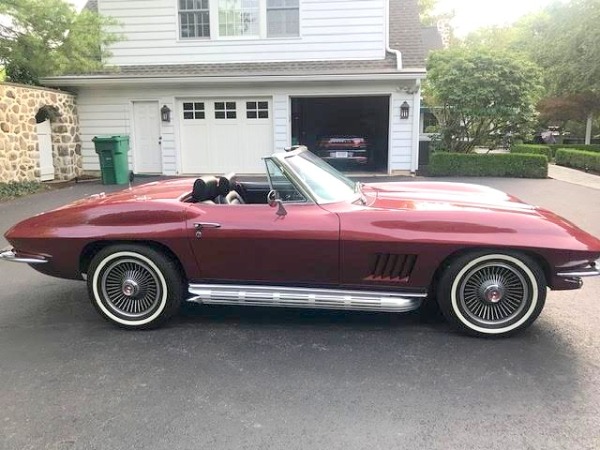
(225, 135)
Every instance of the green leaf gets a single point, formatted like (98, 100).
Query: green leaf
(41, 38)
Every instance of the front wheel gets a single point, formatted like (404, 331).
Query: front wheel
(492, 294)
(134, 286)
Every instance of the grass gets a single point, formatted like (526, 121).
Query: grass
(12, 190)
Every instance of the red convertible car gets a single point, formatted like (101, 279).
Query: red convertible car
(310, 238)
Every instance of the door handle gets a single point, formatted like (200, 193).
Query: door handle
(203, 225)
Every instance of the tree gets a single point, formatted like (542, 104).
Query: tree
(482, 96)
(564, 41)
(426, 12)
(569, 111)
(41, 38)
(568, 49)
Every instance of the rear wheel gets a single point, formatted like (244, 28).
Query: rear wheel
(134, 286)
(492, 294)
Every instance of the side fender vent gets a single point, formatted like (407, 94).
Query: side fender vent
(391, 267)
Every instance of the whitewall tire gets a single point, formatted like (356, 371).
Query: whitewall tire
(134, 286)
(492, 294)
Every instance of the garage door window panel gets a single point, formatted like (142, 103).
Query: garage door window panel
(194, 19)
(257, 110)
(225, 110)
(194, 110)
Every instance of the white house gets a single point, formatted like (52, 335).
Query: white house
(244, 78)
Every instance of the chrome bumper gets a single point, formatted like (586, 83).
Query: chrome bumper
(11, 256)
(591, 270)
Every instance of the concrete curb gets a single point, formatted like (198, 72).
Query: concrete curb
(574, 176)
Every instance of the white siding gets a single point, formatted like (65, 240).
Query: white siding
(329, 29)
(401, 134)
(281, 122)
(108, 111)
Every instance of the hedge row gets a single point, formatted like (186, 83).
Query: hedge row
(580, 147)
(533, 150)
(488, 165)
(550, 150)
(578, 159)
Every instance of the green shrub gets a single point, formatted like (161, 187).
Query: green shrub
(533, 150)
(488, 165)
(580, 147)
(18, 189)
(578, 159)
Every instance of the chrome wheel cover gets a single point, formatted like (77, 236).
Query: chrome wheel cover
(494, 294)
(130, 288)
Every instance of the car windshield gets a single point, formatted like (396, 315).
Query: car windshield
(327, 184)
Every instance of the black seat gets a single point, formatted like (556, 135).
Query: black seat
(205, 190)
(233, 198)
(223, 189)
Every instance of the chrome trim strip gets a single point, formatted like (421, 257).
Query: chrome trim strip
(593, 270)
(11, 256)
(589, 273)
(280, 296)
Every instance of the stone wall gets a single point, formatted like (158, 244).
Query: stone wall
(19, 154)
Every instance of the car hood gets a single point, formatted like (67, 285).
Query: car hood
(439, 196)
(468, 212)
(157, 190)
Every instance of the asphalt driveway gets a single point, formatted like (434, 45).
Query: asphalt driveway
(235, 378)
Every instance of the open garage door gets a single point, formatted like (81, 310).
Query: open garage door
(351, 133)
(225, 135)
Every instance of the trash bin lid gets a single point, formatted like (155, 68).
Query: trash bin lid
(110, 138)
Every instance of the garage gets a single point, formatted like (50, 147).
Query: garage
(351, 133)
(222, 135)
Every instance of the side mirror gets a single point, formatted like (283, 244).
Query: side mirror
(274, 201)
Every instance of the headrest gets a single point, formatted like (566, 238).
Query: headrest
(205, 188)
(223, 187)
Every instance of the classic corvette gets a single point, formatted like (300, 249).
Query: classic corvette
(310, 238)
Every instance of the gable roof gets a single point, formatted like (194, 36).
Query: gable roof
(405, 37)
(91, 5)
(405, 32)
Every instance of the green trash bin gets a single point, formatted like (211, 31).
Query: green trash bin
(114, 164)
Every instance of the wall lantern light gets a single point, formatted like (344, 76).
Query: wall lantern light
(404, 110)
(165, 113)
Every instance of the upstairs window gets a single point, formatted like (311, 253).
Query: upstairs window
(283, 18)
(194, 19)
(239, 18)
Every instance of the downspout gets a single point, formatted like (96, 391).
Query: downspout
(414, 164)
(387, 37)
(588, 128)
(398, 56)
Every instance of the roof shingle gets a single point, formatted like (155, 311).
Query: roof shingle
(405, 32)
(387, 65)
